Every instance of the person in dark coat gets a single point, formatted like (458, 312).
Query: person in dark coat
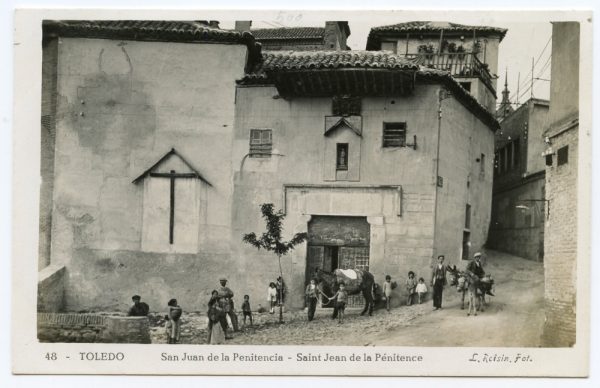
(438, 281)
(139, 309)
(476, 267)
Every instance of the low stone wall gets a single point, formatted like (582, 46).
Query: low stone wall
(135, 330)
(88, 328)
(51, 289)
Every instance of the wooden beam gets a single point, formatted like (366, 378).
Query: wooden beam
(173, 175)
(172, 208)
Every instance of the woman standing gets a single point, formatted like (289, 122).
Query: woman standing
(215, 331)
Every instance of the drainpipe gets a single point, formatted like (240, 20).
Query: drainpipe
(442, 95)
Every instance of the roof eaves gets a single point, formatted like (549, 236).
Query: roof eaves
(462, 95)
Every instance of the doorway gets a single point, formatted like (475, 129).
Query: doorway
(338, 242)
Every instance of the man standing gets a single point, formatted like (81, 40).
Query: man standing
(438, 281)
(226, 303)
(139, 309)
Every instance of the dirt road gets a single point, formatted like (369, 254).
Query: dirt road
(513, 318)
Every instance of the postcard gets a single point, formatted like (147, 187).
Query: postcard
(340, 193)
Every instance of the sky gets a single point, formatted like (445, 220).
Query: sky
(523, 41)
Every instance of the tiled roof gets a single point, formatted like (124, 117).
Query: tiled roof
(438, 26)
(285, 33)
(144, 30)
(274, 61)
(152, 30)
(298, 60)
(377, 32)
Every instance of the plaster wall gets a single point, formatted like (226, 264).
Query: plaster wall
(467, 179)
(121, 106)
(401, 217)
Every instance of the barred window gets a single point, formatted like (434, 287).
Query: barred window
(394, 134)
(261, 143)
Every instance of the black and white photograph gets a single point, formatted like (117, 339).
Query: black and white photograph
(304, 179)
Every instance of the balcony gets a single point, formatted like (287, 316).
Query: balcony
(460, 65)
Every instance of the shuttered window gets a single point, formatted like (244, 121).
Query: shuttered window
(563, 155)
(261, 143)
(394, 134)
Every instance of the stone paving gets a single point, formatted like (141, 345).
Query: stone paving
(297, 330)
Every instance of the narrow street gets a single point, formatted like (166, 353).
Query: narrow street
(514, 317)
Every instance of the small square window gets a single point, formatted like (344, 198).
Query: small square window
(341, 160)
(394, 134)
(466, 86)
(562, 155)
(389, 46)
(261, 143)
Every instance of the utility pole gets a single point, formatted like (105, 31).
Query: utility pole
(532, 65)
(518, 84)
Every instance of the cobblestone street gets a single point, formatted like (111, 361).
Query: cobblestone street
(513, 318)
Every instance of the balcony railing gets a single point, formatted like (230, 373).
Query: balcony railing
(458, 64)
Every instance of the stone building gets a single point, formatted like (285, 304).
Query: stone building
(138, 131)
(469, 53)
(560, 244)
(161, 160)
(518, 204)
(331, 37)
(384, 163)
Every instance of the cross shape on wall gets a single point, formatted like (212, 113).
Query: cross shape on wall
(172, 175)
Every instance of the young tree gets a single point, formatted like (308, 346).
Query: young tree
(271, 239)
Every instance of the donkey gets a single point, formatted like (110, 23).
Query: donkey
(469, 284)
(364, 282)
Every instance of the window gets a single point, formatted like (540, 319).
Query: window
(509, 157)
(468, 217)
(389, 46)
(466, 86)
(261, 143)
(517, 152)
(341, 160)
(394, 134)
(482, 165)
(562, 156)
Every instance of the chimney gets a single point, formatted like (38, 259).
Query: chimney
(243, 25)
(214, 23)
(336, 35)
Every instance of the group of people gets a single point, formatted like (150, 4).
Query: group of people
(173, 324)
(415, 289)
(340, 299)
(438, 276)
(276, 294)
(221, 305)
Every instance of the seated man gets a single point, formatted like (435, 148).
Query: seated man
(139, 309)
(476, 268)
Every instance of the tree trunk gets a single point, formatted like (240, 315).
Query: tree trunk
(280, 295)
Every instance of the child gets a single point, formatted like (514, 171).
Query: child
(215, 314)
(272, 296)
(341, 298)
(411, 284)
(421, 289)
(312, 297)
(387, 291)
(173, 326)
(246, 309)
